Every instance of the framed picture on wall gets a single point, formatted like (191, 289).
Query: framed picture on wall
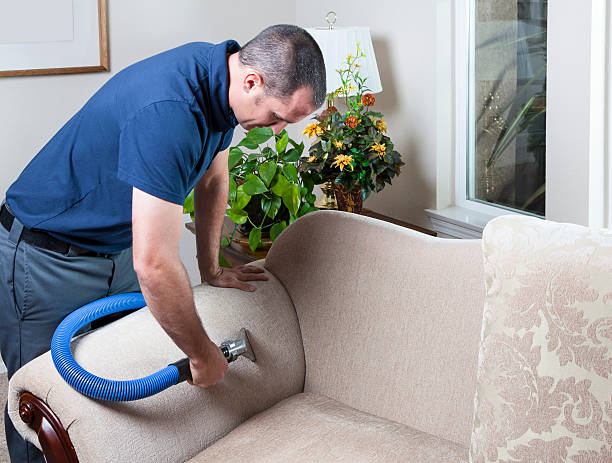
(52, 37)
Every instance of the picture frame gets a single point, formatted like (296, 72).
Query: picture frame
(43, 37)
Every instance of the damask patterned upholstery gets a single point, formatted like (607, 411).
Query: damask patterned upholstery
(544, 389)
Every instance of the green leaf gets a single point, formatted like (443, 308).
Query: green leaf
(260, 135)
(222, 261)
(188, 205)
(279, 185)
(253, 156)
(281, 143)
(291, 198)
(235, 157)
(268, 152)
(293, 155)
(266, 204)
(277, 229)
(242, 199)
(232, 190)
(291, 173)
(237, 215)
(254, 185)
(254, 238)
(274, 207)
(308, 182)
(305, 208)
(267, 171)
(310, 198)
(248, 143)
(224, 241)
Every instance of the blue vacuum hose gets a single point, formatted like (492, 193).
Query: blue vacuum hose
(105, 389)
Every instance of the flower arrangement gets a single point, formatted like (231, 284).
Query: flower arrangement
(352, 149)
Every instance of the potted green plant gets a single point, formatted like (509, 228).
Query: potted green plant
(352, 149)
(266, 193)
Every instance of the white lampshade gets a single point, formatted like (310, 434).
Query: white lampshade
(336, 44)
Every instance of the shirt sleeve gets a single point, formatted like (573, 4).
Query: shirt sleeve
(227, 140)
(158, 150)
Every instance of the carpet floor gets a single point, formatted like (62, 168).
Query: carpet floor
(4, 456)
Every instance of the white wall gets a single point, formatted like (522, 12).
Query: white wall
(577, 140)
(33, 108)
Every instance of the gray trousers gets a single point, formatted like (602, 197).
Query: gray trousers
(38, 289)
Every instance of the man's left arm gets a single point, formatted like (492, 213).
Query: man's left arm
(209, 203)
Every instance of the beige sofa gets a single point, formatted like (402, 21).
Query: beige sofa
(366, 337)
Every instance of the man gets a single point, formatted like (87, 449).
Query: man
(111, 183)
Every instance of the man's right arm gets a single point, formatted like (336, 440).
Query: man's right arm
(156, 227)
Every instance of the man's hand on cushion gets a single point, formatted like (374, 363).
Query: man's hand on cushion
(236, 277)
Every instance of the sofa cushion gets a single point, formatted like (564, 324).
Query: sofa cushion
(544, 380)
(311, 427)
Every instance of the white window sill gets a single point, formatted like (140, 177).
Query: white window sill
(458, 222)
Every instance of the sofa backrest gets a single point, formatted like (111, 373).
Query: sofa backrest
(390, 318)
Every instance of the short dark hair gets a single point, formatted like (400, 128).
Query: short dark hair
(288, 58)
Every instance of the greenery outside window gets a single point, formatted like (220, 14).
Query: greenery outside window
(506, 140)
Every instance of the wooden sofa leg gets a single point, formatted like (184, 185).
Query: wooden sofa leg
(53, 438)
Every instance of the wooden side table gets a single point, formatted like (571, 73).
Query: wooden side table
(237, 255)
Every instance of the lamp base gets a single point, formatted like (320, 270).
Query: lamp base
(328, 200)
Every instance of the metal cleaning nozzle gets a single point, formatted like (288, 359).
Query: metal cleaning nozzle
(241, 346)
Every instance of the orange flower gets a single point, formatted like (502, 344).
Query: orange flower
(312, 158)
(351, 122)
(331, 109)
(368, 99)
(341, 161)
(338, 144)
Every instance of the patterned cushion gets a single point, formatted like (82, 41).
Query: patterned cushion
(545, 363)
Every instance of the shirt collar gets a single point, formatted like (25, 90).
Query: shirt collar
(218, 82)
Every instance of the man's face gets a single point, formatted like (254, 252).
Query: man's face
(260, 110)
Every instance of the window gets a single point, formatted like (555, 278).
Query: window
(556, 160)
(506, 123)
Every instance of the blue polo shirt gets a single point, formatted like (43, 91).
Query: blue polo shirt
(156, 126)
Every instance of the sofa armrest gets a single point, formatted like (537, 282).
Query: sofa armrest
(181, 421)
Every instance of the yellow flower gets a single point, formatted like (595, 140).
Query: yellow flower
(312, 158)
(381, 125)
(313, 130)
(338, 144)
(380, 149)
(341, 161)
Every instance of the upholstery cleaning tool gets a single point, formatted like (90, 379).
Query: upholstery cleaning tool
(111, 390)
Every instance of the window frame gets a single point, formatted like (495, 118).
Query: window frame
(589, 200)
(465, 20)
